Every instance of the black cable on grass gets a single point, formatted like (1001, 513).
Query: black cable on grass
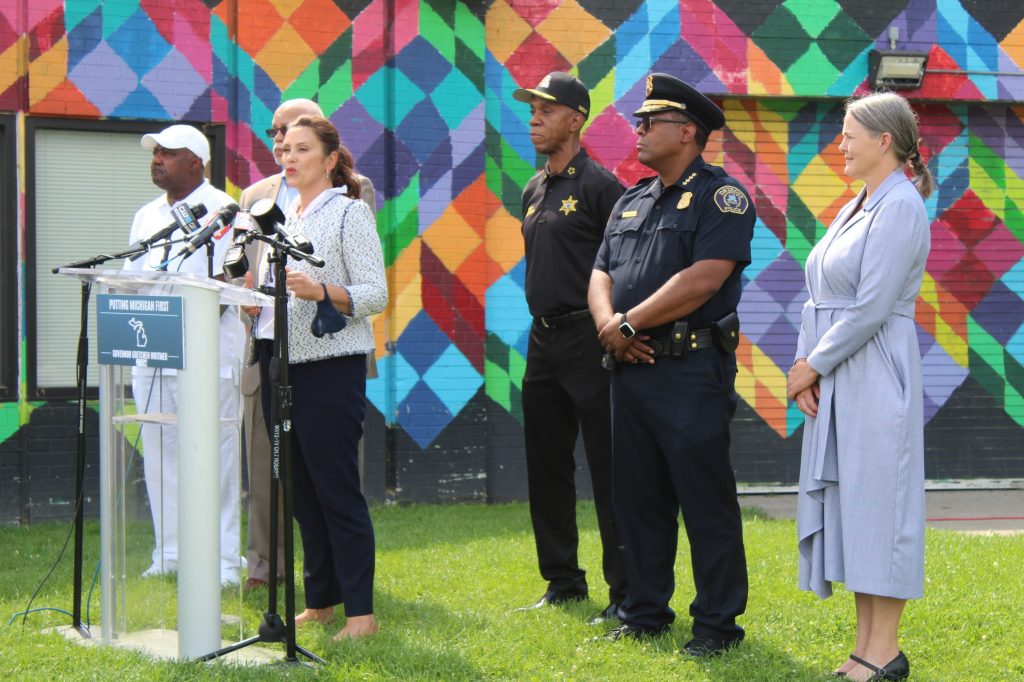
(60, 555)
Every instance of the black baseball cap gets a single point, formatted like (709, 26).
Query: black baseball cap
(668, 93)
(560, 87)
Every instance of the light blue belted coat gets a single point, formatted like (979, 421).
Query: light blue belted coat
(860, 512)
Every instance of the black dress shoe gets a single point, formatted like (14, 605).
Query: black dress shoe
(554, 598)
(703, 646)
(632, 632)
(896, 669)
(611, 612)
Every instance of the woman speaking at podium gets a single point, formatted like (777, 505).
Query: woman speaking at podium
(329, 336)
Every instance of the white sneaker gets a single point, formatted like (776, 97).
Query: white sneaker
(229, 575)
(155, 570)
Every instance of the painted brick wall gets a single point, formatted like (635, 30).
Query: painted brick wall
(421, 92)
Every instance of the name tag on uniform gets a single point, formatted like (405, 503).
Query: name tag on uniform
(628, 214)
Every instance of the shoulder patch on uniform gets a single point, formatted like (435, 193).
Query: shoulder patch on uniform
(730, 199)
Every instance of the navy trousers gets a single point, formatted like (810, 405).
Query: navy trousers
(328, 406)
(671, 435)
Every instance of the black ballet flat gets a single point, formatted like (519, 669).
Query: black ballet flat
(896, 669)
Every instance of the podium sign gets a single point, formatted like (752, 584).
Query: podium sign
(141, 331)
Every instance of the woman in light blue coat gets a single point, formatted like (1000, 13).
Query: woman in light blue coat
(857, 377)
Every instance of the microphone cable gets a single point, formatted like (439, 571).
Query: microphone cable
(60, 554)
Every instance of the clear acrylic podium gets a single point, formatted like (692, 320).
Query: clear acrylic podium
(122, 542)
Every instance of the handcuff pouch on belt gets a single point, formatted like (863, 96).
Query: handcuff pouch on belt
(725, 332)
(677, 341)
(678, 338)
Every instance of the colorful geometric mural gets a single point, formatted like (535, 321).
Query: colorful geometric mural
(421, 91)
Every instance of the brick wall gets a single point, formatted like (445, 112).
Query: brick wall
(421, 92)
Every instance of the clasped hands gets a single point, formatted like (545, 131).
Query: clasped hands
(624, 350)
(803, 388)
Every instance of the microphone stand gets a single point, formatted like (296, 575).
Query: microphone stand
(82, 369)
(272, 628)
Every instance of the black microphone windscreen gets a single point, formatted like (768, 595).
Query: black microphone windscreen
(267, 214)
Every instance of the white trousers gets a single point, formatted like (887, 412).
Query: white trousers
(160, 458)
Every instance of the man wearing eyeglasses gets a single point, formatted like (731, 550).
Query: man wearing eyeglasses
(565, 208)
(663, 293)
(257, 444)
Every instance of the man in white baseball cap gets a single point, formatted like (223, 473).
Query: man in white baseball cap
(180, 137)
(180, 154)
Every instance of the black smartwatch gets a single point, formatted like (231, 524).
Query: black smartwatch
(626, 329)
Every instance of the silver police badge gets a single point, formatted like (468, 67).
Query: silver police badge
(730, 199)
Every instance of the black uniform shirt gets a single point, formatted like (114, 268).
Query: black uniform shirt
(564, 217)
(655, 232)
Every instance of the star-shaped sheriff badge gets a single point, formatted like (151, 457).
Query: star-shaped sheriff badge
(568, 205)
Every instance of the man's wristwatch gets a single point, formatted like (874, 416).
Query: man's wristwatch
(626, 329)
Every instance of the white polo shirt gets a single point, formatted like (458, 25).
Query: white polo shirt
(156, 215)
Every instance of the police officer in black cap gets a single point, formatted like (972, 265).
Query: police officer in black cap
(663, 294)
(565, 208)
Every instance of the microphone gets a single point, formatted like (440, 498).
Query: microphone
(268, 217)
(236, 263)
(241, 224)
(185, 218)
(224, 217)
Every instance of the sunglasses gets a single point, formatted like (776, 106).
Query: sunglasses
(645, 122)
(272, 132)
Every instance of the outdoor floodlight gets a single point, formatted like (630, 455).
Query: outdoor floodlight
(896, 69)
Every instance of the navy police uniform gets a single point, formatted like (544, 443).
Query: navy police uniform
(564, 388)
(671, 419)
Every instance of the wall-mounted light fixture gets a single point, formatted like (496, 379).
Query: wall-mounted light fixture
(896, 69)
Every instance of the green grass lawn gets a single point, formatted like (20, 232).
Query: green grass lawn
(450, 577)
